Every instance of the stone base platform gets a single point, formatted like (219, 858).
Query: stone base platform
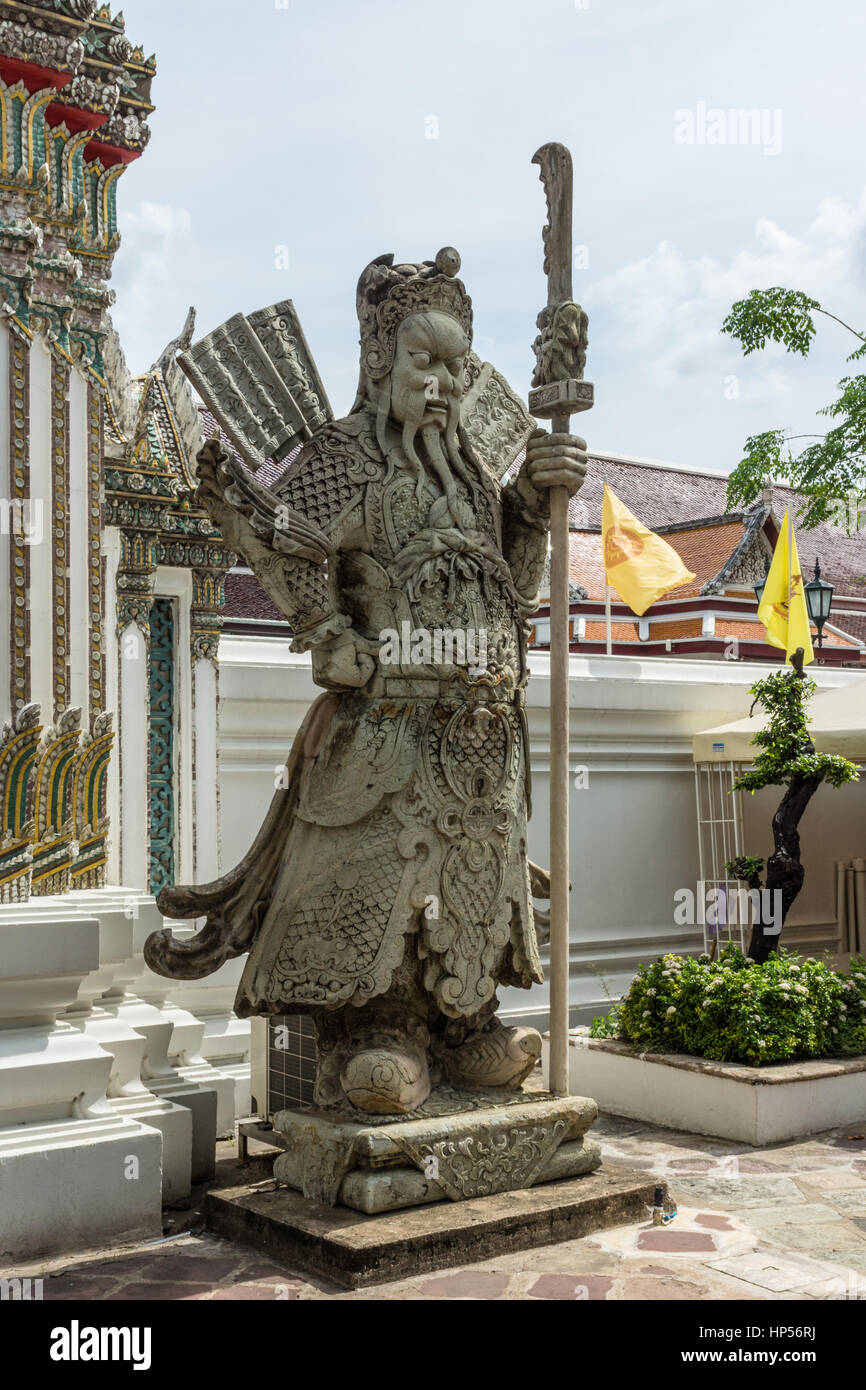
(461, 1145)
(354, 1250)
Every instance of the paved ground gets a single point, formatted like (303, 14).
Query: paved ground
(785, 1222)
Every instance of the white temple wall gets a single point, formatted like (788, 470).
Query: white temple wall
(633, 831)
(206, 816)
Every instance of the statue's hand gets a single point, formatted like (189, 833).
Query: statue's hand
(212, 483)
(340, 664)
(553, 460)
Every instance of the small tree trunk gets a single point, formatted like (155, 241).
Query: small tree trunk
(785, 873)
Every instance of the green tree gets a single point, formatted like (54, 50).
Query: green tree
(787, 759)
(832, 468)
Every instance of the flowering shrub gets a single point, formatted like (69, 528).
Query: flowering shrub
(733, 1010)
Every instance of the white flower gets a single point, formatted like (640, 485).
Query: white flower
(671, 1010)
(794, 969)
(784, 985)
(652, 993)
(647, 1014)
(842, 1009)
(801, 989)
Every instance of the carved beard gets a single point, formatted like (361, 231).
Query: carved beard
(445, 462)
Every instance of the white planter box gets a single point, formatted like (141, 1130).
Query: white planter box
(754, 1105)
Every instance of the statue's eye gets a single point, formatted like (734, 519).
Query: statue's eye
(421, 359)
(456, 366)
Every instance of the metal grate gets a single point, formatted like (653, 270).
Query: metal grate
(720, 839)
(292, 1059)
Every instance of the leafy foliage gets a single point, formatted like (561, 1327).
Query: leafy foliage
(733, 1010)
(786, 748)
(746, 867)
(834, 466)
(773, 316)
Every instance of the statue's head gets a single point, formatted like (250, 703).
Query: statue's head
(416, 332)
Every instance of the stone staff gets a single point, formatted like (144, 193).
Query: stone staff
(559, 392)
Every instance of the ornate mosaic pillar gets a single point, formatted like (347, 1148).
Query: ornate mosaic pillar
(19, 414)
(161, 745)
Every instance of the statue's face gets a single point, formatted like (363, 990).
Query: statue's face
(427, 377)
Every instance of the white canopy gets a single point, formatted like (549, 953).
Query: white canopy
(838, 725)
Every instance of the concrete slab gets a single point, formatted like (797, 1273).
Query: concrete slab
(354, 1250)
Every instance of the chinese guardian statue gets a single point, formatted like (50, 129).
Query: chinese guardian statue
(389, 892)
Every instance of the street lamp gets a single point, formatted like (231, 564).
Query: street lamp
(759, 588)
(819, 597)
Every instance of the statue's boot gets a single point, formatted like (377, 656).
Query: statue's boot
(390, 1077)
(499, 1056)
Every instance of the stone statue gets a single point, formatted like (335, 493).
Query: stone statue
(389, 892)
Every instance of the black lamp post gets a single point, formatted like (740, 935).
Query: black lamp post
(759, 588)
(819, 597)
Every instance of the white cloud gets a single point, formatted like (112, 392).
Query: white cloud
(672, 306)
(155, 239)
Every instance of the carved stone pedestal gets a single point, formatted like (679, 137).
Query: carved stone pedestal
(459, 1146)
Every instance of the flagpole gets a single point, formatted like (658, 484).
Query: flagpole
(607, 620)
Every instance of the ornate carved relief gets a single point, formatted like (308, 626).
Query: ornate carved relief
(91, 824)
(19, 742)
(19, 412)
(58, 529)
(54, 829)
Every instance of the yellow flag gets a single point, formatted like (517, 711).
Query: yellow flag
(637, 563)
(783, 609)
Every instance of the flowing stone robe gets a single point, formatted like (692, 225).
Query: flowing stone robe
(402, 833)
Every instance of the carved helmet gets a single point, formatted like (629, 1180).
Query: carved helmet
(387, 294)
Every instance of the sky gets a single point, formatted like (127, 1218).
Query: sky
(294, 142)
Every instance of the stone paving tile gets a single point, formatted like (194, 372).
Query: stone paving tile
(89, 1287)
(659, 1290)
(261, 1293)
(854, 1260)
(834, 1181)
(777, 1273)
(853, 1201)
(163, 1293)
(673, 1242)
(565, 1287)
(819, 1238)
(736, 1192)
(469, 1284)
(786, 1215)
